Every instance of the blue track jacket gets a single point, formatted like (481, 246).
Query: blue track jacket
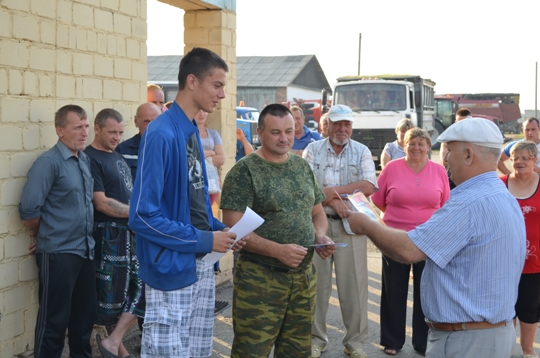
(159, 211)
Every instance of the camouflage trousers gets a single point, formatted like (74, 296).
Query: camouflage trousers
(272, 308)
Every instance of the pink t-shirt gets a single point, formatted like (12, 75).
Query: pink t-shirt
(410, 199)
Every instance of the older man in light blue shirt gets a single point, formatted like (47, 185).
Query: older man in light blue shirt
(474, 248)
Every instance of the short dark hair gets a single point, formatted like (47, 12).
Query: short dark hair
(105, 114)
(274, 109)
(60, 117)
(199, 62)
(529, 120)
(463, 112)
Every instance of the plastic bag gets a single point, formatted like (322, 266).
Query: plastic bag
(213, 177)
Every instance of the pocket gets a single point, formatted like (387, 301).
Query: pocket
(166, 333)
(354, 173)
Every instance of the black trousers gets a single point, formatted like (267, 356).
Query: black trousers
(67, 300)
(395, 288)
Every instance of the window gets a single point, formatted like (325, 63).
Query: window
(372, 96)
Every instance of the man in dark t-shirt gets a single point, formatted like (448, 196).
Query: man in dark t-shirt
(119, 289)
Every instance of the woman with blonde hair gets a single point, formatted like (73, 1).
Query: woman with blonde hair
(411, 189)
(214, 154)
(523, 184)
(394, 150)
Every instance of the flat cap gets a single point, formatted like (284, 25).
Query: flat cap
(477, 131)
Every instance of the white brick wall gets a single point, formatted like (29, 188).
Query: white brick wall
(86, 52)
(53, 53)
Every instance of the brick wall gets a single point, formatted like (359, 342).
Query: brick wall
(54, 52)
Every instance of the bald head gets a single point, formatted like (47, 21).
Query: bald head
(155, 95)
(146, 113)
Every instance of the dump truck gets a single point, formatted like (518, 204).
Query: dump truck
(379, 102)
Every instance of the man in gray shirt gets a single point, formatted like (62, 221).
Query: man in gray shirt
(56, 205)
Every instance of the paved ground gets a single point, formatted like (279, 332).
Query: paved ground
(223, 324)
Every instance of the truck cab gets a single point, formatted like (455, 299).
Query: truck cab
(380, 102)
(247, 119)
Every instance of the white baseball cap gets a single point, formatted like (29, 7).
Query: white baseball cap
(340, 112)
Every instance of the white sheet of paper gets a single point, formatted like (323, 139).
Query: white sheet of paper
(249, 222)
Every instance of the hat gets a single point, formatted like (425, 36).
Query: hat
(340, 112)
(477, 131)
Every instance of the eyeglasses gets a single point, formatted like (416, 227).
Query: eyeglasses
(522, 159)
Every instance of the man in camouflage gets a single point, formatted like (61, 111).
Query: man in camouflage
(274, 283)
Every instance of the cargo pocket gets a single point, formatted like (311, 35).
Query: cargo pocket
(166, 333)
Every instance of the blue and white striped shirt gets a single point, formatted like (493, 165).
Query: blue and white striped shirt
(475, 246)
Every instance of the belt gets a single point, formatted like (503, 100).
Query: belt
(272, 268)
(333, 216)
(463, 326)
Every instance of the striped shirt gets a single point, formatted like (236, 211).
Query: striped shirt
(475, 246)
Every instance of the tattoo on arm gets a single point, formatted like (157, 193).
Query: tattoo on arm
(119, 208)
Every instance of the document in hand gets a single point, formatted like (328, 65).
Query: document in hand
(249, 222)
(359, 203)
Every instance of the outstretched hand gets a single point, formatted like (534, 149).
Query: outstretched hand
(357, 221)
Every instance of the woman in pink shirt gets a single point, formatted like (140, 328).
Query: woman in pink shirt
(411, 189)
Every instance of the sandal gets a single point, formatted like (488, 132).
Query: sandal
(390, 351)
(104, 353)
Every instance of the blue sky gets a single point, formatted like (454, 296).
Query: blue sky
(469, 46)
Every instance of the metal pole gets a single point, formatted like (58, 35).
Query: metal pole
(536, 92)
(359, 52)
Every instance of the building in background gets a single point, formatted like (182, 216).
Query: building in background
(260, 79)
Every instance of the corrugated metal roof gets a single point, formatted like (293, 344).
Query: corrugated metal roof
(252, 71)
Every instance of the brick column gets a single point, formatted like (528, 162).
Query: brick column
(216, 31)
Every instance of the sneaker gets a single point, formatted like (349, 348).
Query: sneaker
(356, 353)
(316, 351)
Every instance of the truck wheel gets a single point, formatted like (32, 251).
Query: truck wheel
(437, 130)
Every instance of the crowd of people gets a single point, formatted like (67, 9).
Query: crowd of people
(121, 229)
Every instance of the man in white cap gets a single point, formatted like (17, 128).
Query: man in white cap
(474, 247)
(342, 166)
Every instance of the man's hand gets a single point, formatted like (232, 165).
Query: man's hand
(33, 225)
(291, 254)
(223, 241)
(32, 248)
(339, 207)
(240, 134)
(325, 251)
(358, 221)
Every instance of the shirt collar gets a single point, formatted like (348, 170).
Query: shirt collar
(66, 153)
(471, 182)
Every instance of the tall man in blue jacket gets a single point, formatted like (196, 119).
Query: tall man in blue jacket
(171, 214)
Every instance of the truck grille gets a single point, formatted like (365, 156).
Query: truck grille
(374, 139)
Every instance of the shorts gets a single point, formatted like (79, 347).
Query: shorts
(118, 286)
(180, 323)
(528, 301)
